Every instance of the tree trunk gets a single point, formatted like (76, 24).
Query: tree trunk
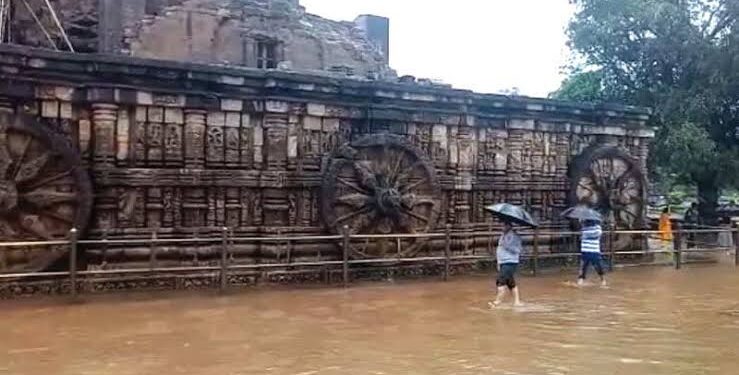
(708, 194)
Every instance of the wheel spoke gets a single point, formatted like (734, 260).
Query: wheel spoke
(405, 226)
(625, 174)
(635, 216)
(412, 200)
(414, 185)
(22, 157)
(365, 223)
(366, 176)
(46, 198)
(48, 180)
(6, 230)
(598, 183)
(351, 185)
(354, 200)
(408, 172)
(33, 225)
(395, 171)
(352, 215)
(4, 154)
(30, 169)
(415, 215)
(586, 187)
(57, 216)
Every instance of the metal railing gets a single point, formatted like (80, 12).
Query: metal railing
(226, 241)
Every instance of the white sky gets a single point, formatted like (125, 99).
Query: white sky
(483, 45)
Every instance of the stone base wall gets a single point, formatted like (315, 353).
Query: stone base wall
(185, 150)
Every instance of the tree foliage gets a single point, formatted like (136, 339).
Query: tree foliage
(581, 87)
(679, 57)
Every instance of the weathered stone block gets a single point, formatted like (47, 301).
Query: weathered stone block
(144, 98)
(312, 123)
(174, 116)
(65, 111)
(276, 107)
(233, 119)
(233, 105)
(519, 124)
(50, 108)
(216, 118)
(314, 109)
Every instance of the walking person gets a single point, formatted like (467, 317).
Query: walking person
(692, 222)
(508, 254)
(665, 229)
(590, 252)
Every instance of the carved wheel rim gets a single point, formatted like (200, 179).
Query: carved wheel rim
(43, 192)
(380, 184)
(608, 180)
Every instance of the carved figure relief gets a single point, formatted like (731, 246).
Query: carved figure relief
(214, 144)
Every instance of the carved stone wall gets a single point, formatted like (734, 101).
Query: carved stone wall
(192, 149)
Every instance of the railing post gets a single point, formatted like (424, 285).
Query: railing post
(73, 261)
(345, 250)
(535, 262)
(736, 244)
(611, 248)
(447, 248)
(224, 259)
(153, 250)
(676, 244)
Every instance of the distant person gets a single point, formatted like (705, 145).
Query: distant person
(590, 252)
(508, 254)
(665, 228)
(692, 221)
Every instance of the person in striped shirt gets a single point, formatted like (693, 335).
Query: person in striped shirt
(590, 251)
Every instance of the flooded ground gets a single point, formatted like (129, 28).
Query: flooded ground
(651, 321)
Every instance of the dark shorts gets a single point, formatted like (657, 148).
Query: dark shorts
(587, 259)
(506, 275)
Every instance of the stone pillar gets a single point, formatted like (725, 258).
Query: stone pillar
(194, 138)
(104, 121)
(275, 201)
(275, 127)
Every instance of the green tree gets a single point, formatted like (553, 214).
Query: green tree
(679, 57)
(581, 87)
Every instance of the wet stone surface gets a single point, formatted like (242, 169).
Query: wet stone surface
(650, 321)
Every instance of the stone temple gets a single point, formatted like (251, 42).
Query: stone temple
(177, 118)
(249, 33)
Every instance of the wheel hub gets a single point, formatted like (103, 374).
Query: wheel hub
(8, 196)
(388, 201)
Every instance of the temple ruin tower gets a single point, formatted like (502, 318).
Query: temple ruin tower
(265, 34)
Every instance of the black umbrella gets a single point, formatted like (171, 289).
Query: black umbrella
(582, 213)
(512, 213)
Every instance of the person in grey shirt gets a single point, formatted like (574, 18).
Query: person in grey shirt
(508, 254)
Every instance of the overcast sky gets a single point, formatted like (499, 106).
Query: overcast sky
(483, 45)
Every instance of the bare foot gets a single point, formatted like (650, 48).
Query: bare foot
(493, 305)
(580, 282)
(604, 284)
(517, 304)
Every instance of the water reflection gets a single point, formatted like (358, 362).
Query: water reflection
(651, 321)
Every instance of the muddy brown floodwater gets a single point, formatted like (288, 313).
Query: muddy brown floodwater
(651, 321)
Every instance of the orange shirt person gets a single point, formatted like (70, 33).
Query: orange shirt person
(665, 226)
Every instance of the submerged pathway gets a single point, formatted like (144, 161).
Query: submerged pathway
(650, 321)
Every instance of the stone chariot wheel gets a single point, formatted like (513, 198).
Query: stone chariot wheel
(43, 192)
(380, 184)
(608, 180)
